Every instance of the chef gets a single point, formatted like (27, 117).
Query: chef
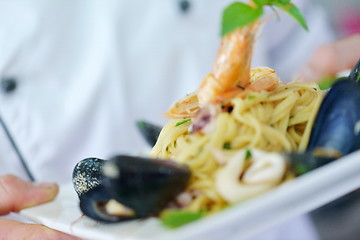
(76, 75)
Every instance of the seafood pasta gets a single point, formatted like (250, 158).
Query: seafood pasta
(272, 121)
(235, 115)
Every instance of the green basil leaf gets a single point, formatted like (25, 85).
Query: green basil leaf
(238, 15)
(284, 2)
(294, 12)
(177, 218)
(271, 2)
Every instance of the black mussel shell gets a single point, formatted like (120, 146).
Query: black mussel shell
(301, 163)
(92, 204)
(143, 184)
(87, 174)
(337, 126)
(149, 131)
(336, 131)
(354, 75)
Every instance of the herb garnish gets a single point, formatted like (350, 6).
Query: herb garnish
(227, 145)
(327, 82)
(247, 154)
(182, 122)
(177, 218)
(239, 14)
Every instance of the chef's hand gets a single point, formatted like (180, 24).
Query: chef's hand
(329, 59)
(17, 194)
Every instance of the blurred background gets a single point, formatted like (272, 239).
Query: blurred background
(341, 218)
(344, 15)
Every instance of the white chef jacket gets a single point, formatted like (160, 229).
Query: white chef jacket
(86, 70)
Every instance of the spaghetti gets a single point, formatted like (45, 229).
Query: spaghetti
(272, 121)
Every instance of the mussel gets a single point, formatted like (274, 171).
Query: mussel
(336, 131)
(301, 163)
(149, 131)
(337, 126)
(354, 74)
(87, 175)
(131, 187)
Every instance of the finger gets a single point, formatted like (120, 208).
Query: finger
(12, 230)
(330, 59)
(347, 53)
(17, 194)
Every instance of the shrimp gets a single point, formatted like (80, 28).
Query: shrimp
(232, 66)
(260, 79)
(186, 107)
(230, 76)
(263, 78)
(231, 69)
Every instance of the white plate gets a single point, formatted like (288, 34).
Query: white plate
(285, 202)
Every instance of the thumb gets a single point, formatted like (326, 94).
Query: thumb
(17, 194)
(12, 230)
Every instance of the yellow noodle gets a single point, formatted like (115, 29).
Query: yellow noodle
(280, 120)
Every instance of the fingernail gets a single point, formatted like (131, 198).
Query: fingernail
(51, 189)
(44, 192)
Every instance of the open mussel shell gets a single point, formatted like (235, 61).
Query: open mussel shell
(87, 174)
(93, 205)
(128, 187)
(143, 184)
(337, 125)
(149, 131)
